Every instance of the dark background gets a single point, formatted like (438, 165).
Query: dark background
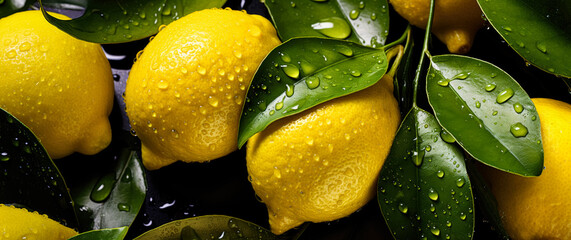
(184, 190)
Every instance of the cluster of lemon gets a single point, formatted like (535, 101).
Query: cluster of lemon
(184, 98)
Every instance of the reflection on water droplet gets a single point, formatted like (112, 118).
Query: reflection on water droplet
(478, 104)
(504, 95)
(460, 182)
(285, 57)
(440, 174)
(462, 216)
(124, 207)
(541, 47)
(443, 82)
(490, 87)
(289, 90)
(435, 231)
(518, 130)
(354, 14)
(306, 67)
(290, 70)
(355, 73)
(373, 16)
(403, 208)
(518, 107)
(346, 51)
(312, 82)
(447, 137)
(432, 194)
(333, 27)
(103, 187)
(201, 70)
(461, 76)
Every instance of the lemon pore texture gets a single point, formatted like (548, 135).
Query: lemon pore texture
(455, 21)
(539, 207)
(17, 224)
(185, 92)
(59, 86)
(323, 163)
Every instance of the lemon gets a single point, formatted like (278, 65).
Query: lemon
(59, 86)
(539, 207)
(323, 163)
(455, 21)
(17, 223)
(185, 92)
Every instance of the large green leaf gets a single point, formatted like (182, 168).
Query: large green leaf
(115, 21)
(107, 234)
(7, 7)
(304, 72)
(487, 112)
(424, 191)
(537, 30)
(111, 198)
(208, 227)
(28, 176)
(361, 21)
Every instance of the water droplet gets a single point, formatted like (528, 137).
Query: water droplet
(11, 54)
(435, 231)
(354, 14)
(518, 107)
(460, 182)
(189, 233)
(418, 157)
(509, 29)
(312, 82)
(432, 194)
(125, 207)
(504, 95)
(355, 73)
(462, 216)
(518, 130)
(163, 84)
(285, 57)
(361, 4)
(494, 113)
(478, 104)
(490, 87)
(4, 157)
(279, 105)
(447, 137)
(333, 27)
(277, 173)
(403, 208)
(461, 76)
(201, 70)
(541, 47)
(440, 174)
(443, 82)
(291, 71)
(25, 46)
(346, 51)
(103, 187)
(373, 16)
(533, 118)
(307, 67)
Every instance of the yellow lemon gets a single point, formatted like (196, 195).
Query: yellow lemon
(323, 163)
(59, 86)
(185, 92)
(539, 207)
(455, 21)
(17, 224)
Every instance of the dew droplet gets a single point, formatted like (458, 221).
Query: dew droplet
(11, 54)
(290, 70)
(432, 194)
(443, 82)
(518, 130)
(213, 101)
(25, 46)
(435, 231)
(4, 157)
(355, 73)
(403, 208)
(490, 87)
(440, 174)
(333, 27)
(163, 85)
(373, 16)
(312, 82)
(460, 182)
(279, 105)
(447, 137)
(306, 67)
(289, 90)
(354, 14)
(478, 104)
(462, 216)
(201, 70)
(124, 207)
(541, 47)
(361, 4)
(518, 107)
(346, 51)
(418, 157)
(505, 95)
(461, 76)
(285, 57)
(103, 187)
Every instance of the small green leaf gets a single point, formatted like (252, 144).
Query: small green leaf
(424, 191)
(28, 177)
(304, 72)
(208, 227)
(363, 22)
(8, 7)
(124, 20)
(487, 112)
(536, 30)
(113, 197)
(405, 75)
(107, 234)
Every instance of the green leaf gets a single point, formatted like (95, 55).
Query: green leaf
(363, 22)
(8, 7)
(107, 234)
(537, 30)
(405, 75)
(124, 20)
(424, 191)
(208, 227)
(113, 197)
(304, 72)
(465, 94)
(28, 176)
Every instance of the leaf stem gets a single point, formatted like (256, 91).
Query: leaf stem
(401, 39)
(424, 52)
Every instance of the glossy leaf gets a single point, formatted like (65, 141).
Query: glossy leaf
(8, 7)
(304, 72)
(124, 21)
(112, 199)
(424, 191)
(537, 30)
(405, 75)
(208, 227)
(107, 234)
(363, 22)
(28, 176)
(465, 94)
